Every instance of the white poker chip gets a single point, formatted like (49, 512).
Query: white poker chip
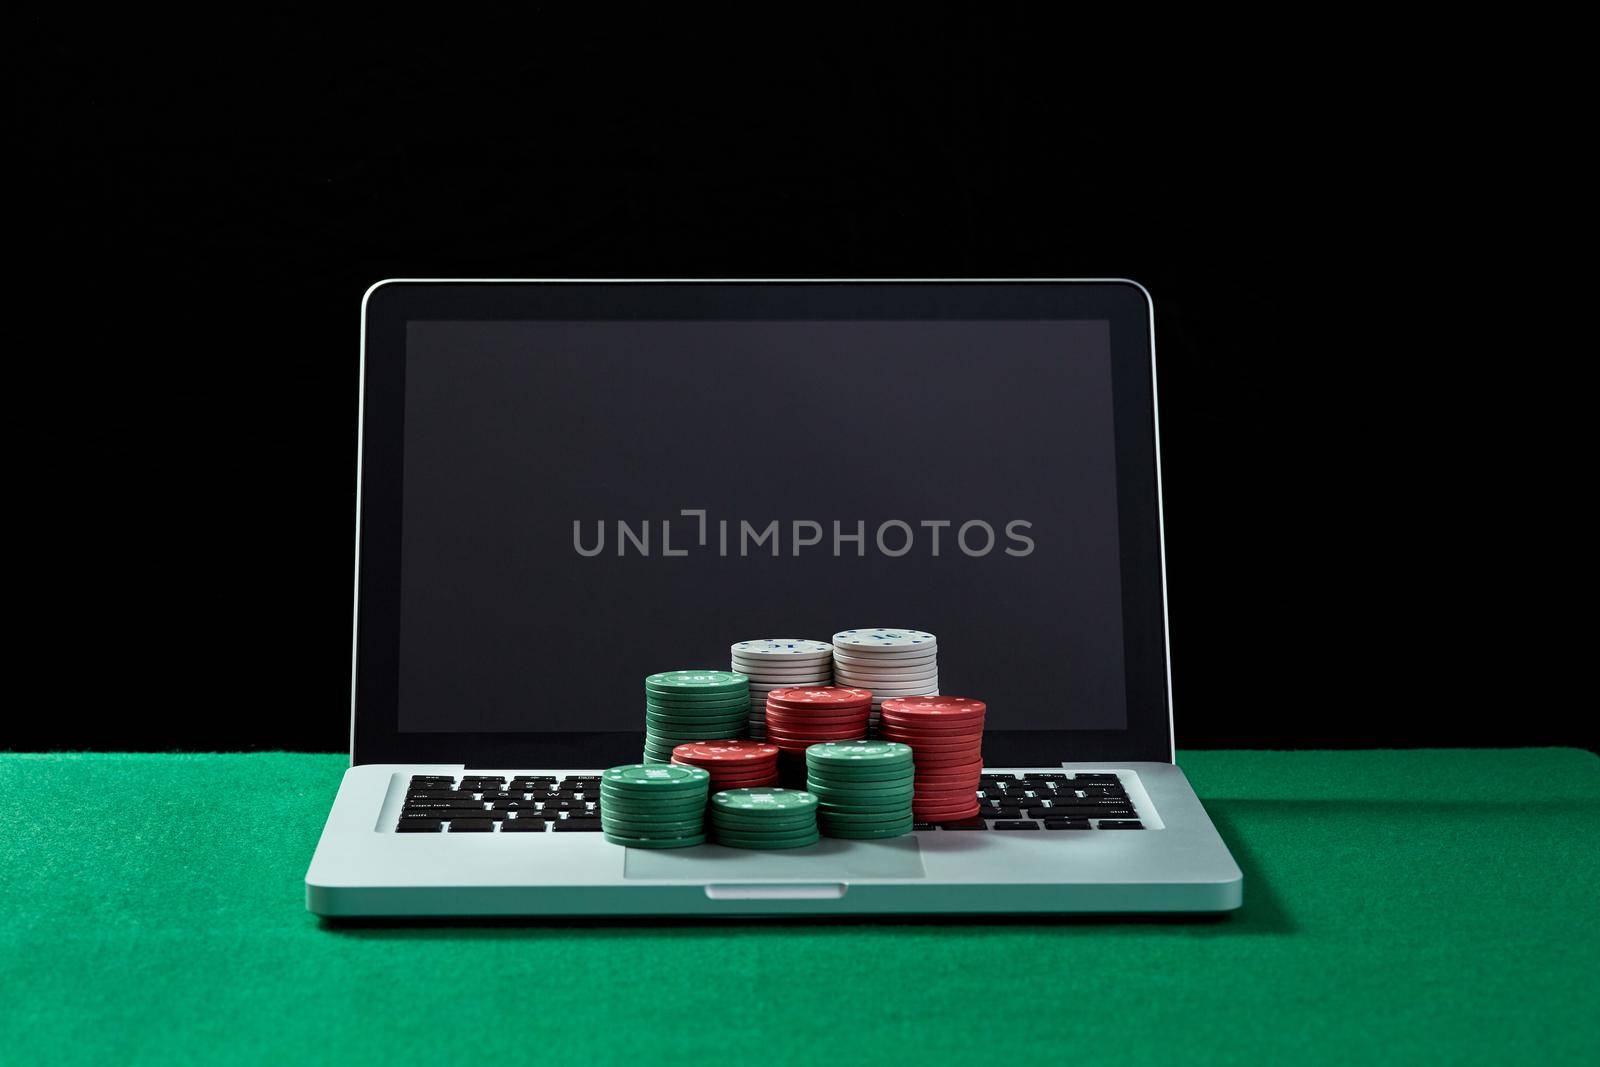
(870, 662)
(919, 671)
(792, 649)
(845, 652)
(881, 639)
(810, 671)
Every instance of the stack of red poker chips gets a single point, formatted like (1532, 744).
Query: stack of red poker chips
(946, 738)
(809, 715)
(732, 764)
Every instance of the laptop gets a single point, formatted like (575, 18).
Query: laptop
(568, 486)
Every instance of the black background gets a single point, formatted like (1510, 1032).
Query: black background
(1367, 397)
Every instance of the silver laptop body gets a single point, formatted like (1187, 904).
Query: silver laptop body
(420, 721)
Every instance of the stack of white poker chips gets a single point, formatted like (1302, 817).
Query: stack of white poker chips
(780, 663)
(891, 663)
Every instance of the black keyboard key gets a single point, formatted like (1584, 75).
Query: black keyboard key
(1050, 776)
(1096, 791)
(924, 826)
(1066, 824)
(987, 777)
(1082, 811)
(1118, 824)
(471, 826)
(577, 824)
(1009, 802)
(433, 779)
(460, 813)
(1083, 779)
(419, 826)
(527, 778)
(425, 803)
(1015, 824)
(965, 824)
(435, 794)
(522, 826)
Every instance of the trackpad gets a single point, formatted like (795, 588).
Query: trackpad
(829, 860)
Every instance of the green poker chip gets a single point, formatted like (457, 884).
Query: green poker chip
(766, 799)
(769, 845)
(775, 833)
(665, 801)
(661, 842)
(871, 815)
(766, 831)
(656, 724)
(851, 834)
(692, 701)
(637, 778)
(829, 776)
(612, 811)
(786, 841)
(869, 791)
(697, 683)
(844, 755)
(643, 830)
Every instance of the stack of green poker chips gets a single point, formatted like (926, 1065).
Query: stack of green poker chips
(654, 806)
(764, 818)
(863, 788)
(684, 706)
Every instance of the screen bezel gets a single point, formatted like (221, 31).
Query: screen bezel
(388, 306)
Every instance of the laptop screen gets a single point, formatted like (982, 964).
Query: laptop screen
(585, 503)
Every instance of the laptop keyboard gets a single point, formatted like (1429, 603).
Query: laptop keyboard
(532, 803)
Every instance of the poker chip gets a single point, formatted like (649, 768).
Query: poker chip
(682, 706)
(764, 818)
(864, 789)
(890, 663)
(645, 806)
(945, 734)
(881, 640)
(799, 717)
(779, 663)
(731, 764)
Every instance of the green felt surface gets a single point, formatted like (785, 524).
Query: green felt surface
(1434, 906)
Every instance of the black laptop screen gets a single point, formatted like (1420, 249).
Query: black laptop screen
(588, 502)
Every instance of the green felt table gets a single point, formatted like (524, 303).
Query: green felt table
(1422, 906)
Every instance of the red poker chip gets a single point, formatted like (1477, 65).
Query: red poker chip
(744, 770)
(939, 706)
(934, 726)
(940, 727)
(935, 788)
(795, 730)
(970, 772)
(944, 803)
(827, 696)
(945, 816)
(779, 715)
(955, 762)
(701, 753)
(941, 747)
(932, 737)
(922, 804)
